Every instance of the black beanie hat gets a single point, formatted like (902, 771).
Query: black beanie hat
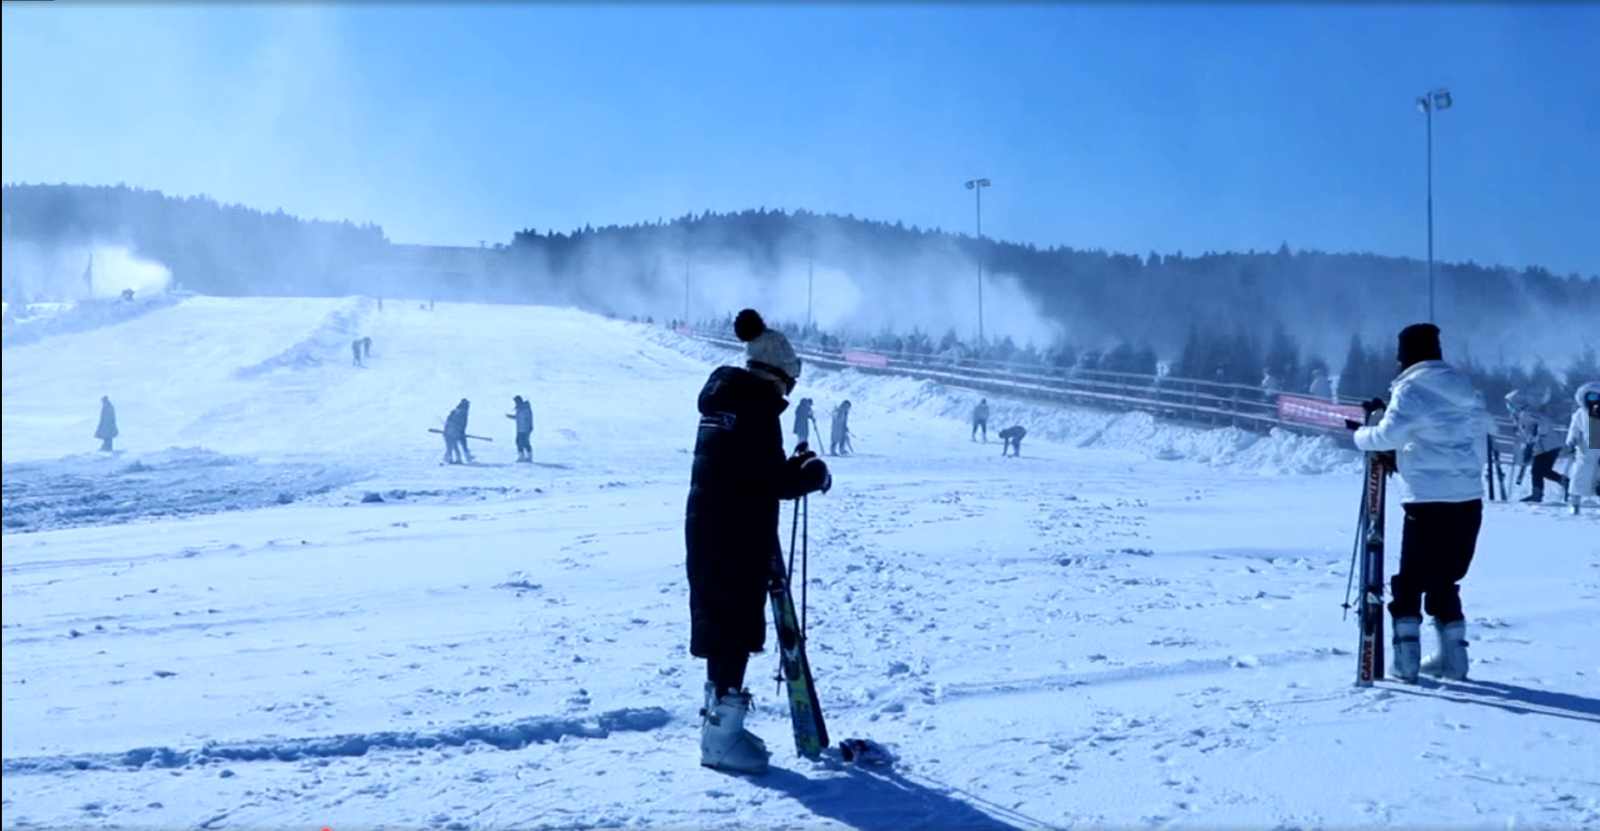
(1419, 342)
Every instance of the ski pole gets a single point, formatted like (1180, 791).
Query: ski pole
(805, 558)
(1355, 552)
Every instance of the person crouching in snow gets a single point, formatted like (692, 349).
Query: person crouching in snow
(1434, 425)
(739, 476)
(1013, 439)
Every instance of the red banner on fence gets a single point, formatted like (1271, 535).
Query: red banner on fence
(1304, 409)
(686, 331)
(864, 358)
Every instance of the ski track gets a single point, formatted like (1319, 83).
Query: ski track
(1094, 635)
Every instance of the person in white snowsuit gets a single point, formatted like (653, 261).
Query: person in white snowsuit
(1537, 435)
(1320, 388)
(1583, 479)
(1434, 425)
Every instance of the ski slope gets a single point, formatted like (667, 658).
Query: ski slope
(1131, 625)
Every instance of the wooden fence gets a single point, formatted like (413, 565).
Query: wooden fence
(1182, 400)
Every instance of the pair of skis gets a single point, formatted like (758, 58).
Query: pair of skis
(1369, 551)
(794, 671)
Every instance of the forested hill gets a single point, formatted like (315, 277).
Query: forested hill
(869, 275)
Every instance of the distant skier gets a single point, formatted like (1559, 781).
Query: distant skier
(1320, 387)
(1270, 386)
(355, 352)
(455, 435)
(366, 347)
(1013, 436)
(1435, 428)
(1537, 434)
(523, 414)
(127, 295)
(1584, 474)
(980, 420)
(805, 420)
(107, 429)
(839, 436)
(738, 477)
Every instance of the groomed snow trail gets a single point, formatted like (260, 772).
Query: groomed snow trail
(1089, 636)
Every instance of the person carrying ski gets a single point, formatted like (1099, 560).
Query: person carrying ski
(1536, 432)
(455, 435)
(805, 420)
(107, 429)
(1013, 439)
(1434, 427)
(980, 420)
(522, 414)
(731, 522)
(1584, 474)
(839, 436)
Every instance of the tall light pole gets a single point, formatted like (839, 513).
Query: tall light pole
(686, 292)
(1433, 99)
(977, 186)
(811, 267)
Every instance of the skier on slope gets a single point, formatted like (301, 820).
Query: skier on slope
(1584, 475)
(1537, 434)
(1434, 427)
(805, 420)
(455, 434)
(522, 414)
(1012, 436)
(980, 420)
(355, 352)
(106, 430)
(839, 436)
(731, 529)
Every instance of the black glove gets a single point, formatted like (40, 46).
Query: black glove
(1372, 405)
(1527, 454)
(1352, 424)
(810, 472)
(1386, 461)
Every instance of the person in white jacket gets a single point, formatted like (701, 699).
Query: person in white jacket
(1541, 440)
(1434, 426)
(1584, 475)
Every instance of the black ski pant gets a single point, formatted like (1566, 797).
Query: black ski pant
(524, 446)
(1436, 548)
(1544, 467)
(980, 424)
(726, 672)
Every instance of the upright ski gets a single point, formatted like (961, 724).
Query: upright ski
(805, 711)
(1369, 542)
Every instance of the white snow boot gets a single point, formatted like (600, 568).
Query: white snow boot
(1407, 648)
(1451, 659)
(724, 743)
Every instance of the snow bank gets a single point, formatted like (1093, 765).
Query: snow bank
(1281, 452)
(50, 320)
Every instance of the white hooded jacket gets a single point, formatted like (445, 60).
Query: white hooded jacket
(1436, 425)
(1585, 463)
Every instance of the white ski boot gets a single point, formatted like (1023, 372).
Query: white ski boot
(1451, 660)
(724, 743)
(1407, 648)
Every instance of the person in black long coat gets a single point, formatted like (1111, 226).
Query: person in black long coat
(106, 430)
(740, 475)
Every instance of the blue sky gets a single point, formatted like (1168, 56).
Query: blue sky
(1163, 128)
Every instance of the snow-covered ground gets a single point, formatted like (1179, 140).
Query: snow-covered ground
(1131, 625)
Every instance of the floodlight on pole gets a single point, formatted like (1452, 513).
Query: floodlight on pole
(1427, 104)
(977, 186)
